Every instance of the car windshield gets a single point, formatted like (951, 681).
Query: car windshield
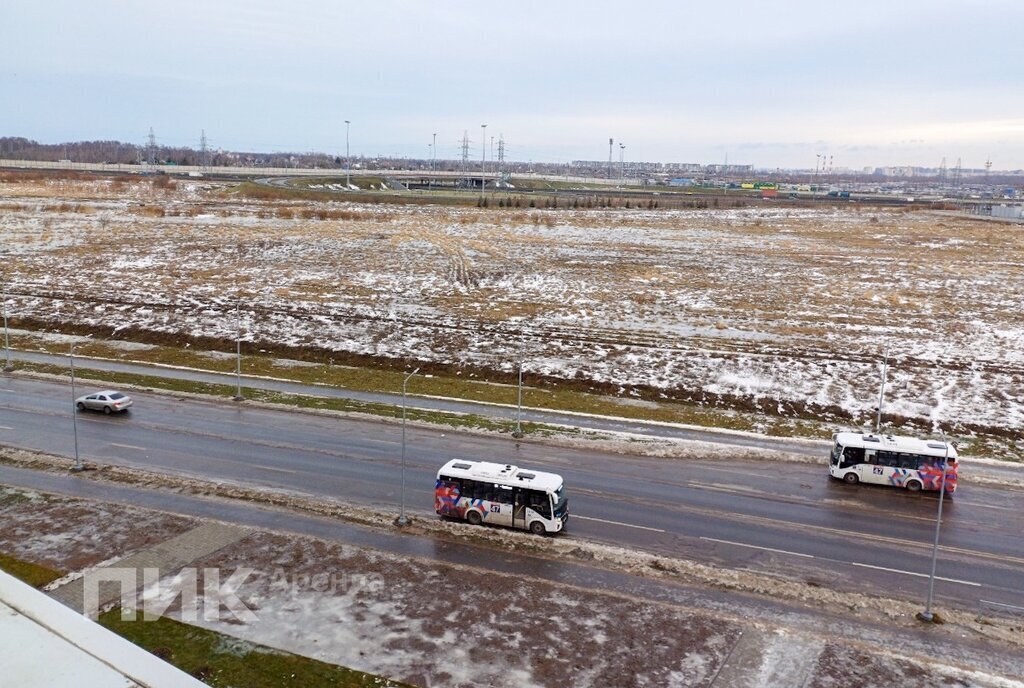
(117, 395)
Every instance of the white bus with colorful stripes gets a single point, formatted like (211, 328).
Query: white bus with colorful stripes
(906, 462)
(501, 494)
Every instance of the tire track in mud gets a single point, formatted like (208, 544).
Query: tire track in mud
(459, 267)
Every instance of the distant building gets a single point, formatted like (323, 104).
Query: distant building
(1008, 211)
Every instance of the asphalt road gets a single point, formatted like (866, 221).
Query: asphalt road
(663, 430)
(788, 518)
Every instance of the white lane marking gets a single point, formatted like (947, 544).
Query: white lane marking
(767, 549)
(276, 470)
(4, 427)
(616, 523)
(719, 487)
(915, 573)
(1000, 604)
(987, 506)
(126, 446)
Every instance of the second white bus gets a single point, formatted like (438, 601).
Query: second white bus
(502, 494)
(905, 462)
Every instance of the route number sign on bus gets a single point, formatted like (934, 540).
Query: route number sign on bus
(501, 494)
(905, 462)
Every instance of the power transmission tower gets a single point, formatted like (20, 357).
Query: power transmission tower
(610, 143)
(203, 152)
(151, 148)
(942, 171)
(465, 153)
(501, 155)
(988, 168)
(956, 173)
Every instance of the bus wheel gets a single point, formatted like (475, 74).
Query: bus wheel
(913, 486)
(474, 518)
(537, 528)
(851, 478)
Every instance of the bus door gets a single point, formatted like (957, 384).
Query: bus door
(519, 509)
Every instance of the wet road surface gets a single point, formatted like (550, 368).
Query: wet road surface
(777, 517)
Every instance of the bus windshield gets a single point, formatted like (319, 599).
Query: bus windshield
(560, 501)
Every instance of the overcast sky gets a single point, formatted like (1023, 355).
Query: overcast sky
(768, 83)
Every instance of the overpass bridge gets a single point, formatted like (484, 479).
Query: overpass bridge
(409, 177)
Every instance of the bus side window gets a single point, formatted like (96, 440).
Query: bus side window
(890, 459)
(479, 491)
(502, 493)
(852, 456)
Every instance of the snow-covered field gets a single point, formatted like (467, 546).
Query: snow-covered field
(788, 310)
(435, 625)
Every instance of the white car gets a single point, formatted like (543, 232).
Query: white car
(108, 401)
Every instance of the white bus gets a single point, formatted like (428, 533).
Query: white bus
(905, 462)
(502, 494)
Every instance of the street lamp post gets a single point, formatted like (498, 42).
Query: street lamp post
(881, 392)
(238, 354)
(348, 160)
(483, 159)
(622, 165)
(433, 163)
(927, 615)
(402, 520)
(817, 164)
(519, 404)
(78, 467)
(7, 342)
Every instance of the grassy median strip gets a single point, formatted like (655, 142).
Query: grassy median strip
(35, 575)
(368, 379)
(454, 420)
(221, 660)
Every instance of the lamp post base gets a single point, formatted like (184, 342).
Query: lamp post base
(77, 469)
(402, 521)
(929, 617)
(8, 368)
(238, 397)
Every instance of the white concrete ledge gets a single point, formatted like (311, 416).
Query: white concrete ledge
(44, 644)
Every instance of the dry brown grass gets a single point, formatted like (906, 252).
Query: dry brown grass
(652, 282)
(149, 211)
